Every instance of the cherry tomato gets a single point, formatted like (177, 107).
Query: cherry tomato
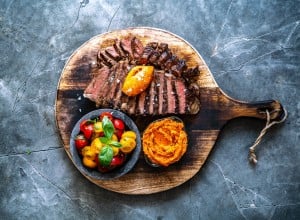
(87, 128)
(83, 124)
(88, 131)
(103, 169)
(119, 133)
(108, 114)
(118, 160)
(118, 124)
(80, 142)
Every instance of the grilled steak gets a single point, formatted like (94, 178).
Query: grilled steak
(129, 48)
(161, 57)
(172, 90)
(166, 94)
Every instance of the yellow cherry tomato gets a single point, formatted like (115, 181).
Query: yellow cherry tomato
(96, 145)
(114, 137)
(89, 162)
(98, 127)
(115, 150)
(128, 144)
(89, 152)
(130, 134)
(137, 80)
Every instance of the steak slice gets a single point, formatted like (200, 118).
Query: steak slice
(119, 72)
(105, 58)
(137, 48)
(117, 47)
(113, 53)
(170, 94)
(181, 95)
(126, 47)
(95, 87)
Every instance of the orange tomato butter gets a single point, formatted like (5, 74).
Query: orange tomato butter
(137, 80)
(165, 141)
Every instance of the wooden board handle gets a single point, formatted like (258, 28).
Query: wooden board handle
(258, 109)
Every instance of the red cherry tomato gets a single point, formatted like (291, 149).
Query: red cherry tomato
(118, 124)
(119, 133)
(118, 160)
(87, 128)
(103, 169)
(108, 114)
(80, 142)
(82, 125)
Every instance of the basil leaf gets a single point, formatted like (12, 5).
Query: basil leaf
(106, 155)
(115, 143)
(108, 127)
(104, 140)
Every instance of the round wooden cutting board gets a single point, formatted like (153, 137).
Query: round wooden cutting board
(203, 129)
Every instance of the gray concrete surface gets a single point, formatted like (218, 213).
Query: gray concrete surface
(251, 47)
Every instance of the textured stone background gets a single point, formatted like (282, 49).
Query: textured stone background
(251, 47)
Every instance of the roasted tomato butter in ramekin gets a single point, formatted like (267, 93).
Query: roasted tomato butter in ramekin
(165, 141)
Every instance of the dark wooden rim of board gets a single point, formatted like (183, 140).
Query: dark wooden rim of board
(217, 109)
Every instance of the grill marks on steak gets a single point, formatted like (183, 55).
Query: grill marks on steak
(161, 57)
(130, 48)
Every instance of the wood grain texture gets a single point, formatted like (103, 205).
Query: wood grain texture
(203, 129)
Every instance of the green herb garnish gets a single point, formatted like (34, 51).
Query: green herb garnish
(106, 155)
(108, 141)
(108, 127)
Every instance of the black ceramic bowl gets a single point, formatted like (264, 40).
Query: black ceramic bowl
(118, 172)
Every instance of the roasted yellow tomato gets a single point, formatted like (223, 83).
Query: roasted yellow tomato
(88, 162)
(89, 157)
(130, 134)
(128, 144)
(96, 145)
(137, 80)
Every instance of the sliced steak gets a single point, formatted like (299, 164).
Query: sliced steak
(181, 95)
(153, 45)
(160, 56)
(163, 47)
(150, 110)
(130, 48)
(170, 94)
(154, 58)
(102, 62)
(170, 62)
(178, 68)
(93, 90)
(105, 58)
(173, 89)
(126, 47)
(117, 47)
(140, 110)
(166, 94)
(146, 54)
(113, 53)
(119, 71)
(137, 48)
(161, 92)
(163, 58)
(131, 105)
